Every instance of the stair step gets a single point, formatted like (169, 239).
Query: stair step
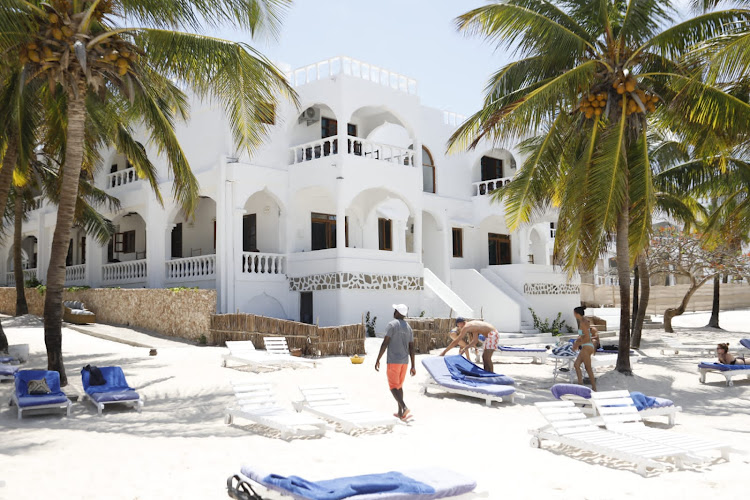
(530, 331)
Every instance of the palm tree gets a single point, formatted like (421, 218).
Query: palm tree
(130, 51)
(590, 77)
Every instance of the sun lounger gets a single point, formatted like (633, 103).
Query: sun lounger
(564, 364)
(538, 355)
(619, 414)
(115, 391)
(568, 425)
(678, 347)
(256, 402)
(244, 353)
(581, 396)
(416, 484)
(745, 350)
(55, 400)
(8, 372)
(278, 348)
(728, 371)
(330, 403)
(441, 379)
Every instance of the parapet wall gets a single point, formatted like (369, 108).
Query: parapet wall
(182, 313)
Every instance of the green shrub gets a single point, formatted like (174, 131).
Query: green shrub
(41, 289)
(32, 283)
(556, 328)
(370, 324)
(77, 288)
(202, 340)
(177, 289)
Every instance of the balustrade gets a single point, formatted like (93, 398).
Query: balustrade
(75, 273)
(28, 274)
(133, 270)
(351, 67)
(191, 268)
(487, 187)
(122, 177)
(263, 263)
(378, 151)
(36, 203)
(313, 150)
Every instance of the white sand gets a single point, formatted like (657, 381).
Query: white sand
(179, 446)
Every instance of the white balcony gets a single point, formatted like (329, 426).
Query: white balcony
(133, 271)
(75, 275)
(202, 267)
(265, 265)
(379, 151)
(122, 178)
(351, 67)
(483, 188)
(36, 204)
(313, 150)
(28, 274)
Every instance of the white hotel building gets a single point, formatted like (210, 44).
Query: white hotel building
(350, 206)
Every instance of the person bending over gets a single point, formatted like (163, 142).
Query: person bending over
(727, 358)
(476, 328)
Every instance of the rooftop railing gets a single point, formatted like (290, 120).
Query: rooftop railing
(351, 67)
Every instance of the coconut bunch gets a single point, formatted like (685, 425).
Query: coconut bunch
(637, 100)
(61, 39)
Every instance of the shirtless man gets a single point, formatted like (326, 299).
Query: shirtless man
(476, 328)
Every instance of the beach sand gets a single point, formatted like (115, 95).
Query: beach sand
(179, 446)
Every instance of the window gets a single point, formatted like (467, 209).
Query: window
(499, 248)
(329, 127)
(125, 242)
(249, 233)
(384, 234)
(83, 249)
(356, 146)
(492, 168)
(177, 241)
(552, 230)
(613, 263)
(428, 172)
(265, 112)
(69, 257)
(323, 231)
(458, 242)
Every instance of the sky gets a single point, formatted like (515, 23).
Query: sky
(416, 38)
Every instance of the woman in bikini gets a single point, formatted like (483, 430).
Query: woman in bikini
(586, 347)
(726, 358)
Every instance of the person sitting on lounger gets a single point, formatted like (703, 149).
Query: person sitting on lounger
(586, 347)
(727, 358)
(476, 328)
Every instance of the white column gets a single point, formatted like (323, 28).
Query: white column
(418, 234)
(94, 262)
(156, 252)
(399, 236)
(447, 249)
(223, 241)
(234, 261)
(44, 246)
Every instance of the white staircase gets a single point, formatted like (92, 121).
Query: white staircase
(448, 296)
(487, 300)
(527, 323)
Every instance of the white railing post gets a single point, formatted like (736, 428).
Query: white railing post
(263, 263)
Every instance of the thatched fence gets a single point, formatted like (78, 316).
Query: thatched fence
(431, 333)
(312, 340)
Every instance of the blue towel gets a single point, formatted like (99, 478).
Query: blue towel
(465, 371)
(723, 367)
(642, 401)
(344, 487)
(745, 343)
(113, 376)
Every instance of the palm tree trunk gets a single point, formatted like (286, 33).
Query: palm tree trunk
(21, 306)
(623, 273)
(634, 315)
(61, 237)
(714, 321)
(644, 278)
(676, 311)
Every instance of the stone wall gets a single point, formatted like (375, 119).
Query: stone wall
(183, 313)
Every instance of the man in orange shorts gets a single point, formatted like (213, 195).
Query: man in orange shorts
(399, 341)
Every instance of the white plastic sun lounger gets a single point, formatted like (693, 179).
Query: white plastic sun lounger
(619, 414)
(444, 483)
(244, 353)
(330, 403)
(277, 348)
(677, 347)
(440, 379)
(568, 425)
(256, 402)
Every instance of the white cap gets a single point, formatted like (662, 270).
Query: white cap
(401, 308)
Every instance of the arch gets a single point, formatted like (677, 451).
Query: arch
(429, 178)
(305, 202)
(364, 212)
(369, 118)
(261, 223)
(485, 170)
(497, 240)
(265, 305)
(537, 247)
(129, 241)
(196, 235)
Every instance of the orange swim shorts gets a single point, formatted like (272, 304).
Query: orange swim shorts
(396, 375)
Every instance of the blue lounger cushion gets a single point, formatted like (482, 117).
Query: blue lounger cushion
(642, 402)
(6, 359)
(110, 397)
(463, 370)
(519, 349)
(418, 484)
(114, 378)
(26, 400)
(722, 367)
(745, 343)
(559, 390)
(438, 370)
(8, 370)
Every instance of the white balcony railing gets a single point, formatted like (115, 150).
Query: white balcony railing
(36, 204)
(75, 273)
(453, 119)
(378, 151)
(122, 177)
(192, 268)
(351, 67)
(483, 188)
(124, 272)
(313, 150)
(263, 263)
(10, 278)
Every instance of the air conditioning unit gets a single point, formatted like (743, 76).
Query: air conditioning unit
(310, 115)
